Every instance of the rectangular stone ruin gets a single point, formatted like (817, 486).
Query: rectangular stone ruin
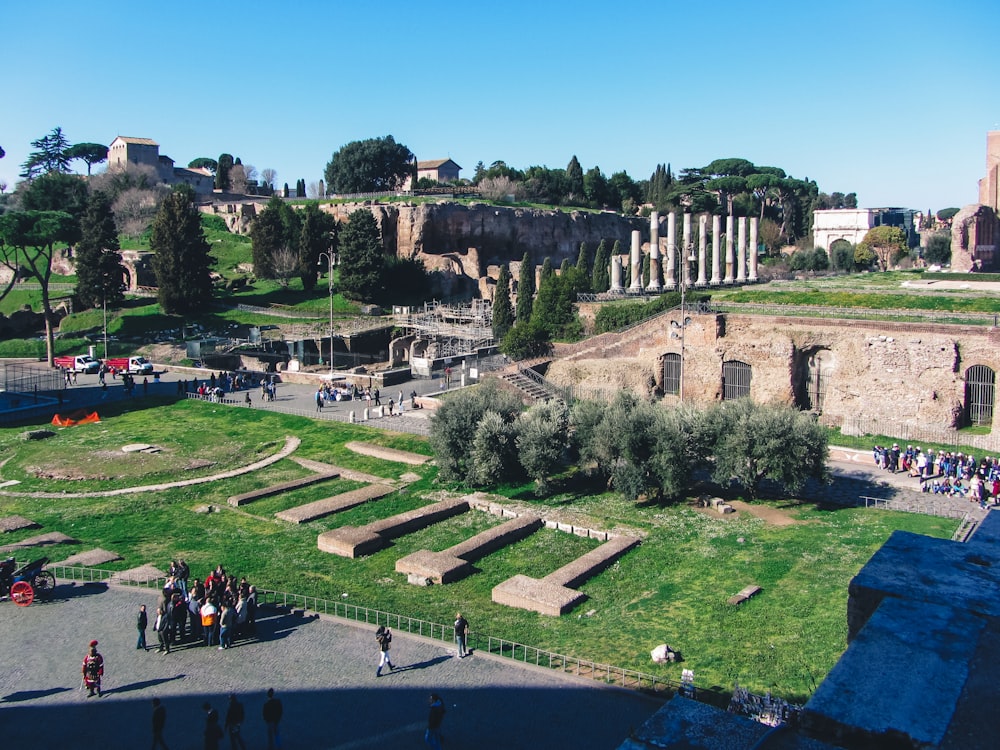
(555, 594)
(354, 541)
(455, 563)
(330, 505)
(92, 558)
(42, 540)
(276, 489)
(388, 454)
(16, 523)
(744, 594)
(142, 574)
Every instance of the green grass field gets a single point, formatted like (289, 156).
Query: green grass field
(673, 588)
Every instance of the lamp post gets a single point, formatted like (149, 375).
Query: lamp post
(329, 277)
(104, 301)
(685, 320)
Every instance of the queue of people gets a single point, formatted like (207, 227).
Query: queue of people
(953, 474)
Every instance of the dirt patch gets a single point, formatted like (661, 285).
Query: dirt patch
(771, 515)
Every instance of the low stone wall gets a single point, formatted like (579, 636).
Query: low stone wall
(330, 505)
(275, 489)
(353, 541)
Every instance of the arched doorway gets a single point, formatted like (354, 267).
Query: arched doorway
(980, 392)
(736, 377)
(672, 374)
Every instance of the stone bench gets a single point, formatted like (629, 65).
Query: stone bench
(330, 505)
(554, 594)
(744, 594)
(355, 541)
(277, 489)
(454, 563)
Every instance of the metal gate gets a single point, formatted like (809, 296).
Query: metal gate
(817, 374)
(735, 380)
(672, 374)
(980, 389)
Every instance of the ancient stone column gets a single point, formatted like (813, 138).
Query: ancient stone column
(636, 257)
(671, 281)
(616, 275)
(686, 248)
(741, 250)
(729, 250)
(752, 271)
(716, 260)
(654, 253)
(702, 249)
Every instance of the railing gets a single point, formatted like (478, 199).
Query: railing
(503, 647)
(911, 432)
(857, 313)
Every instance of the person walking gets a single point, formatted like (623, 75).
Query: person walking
(164, 615)
(435, 715)
(384, 637)
(461, 635)
(271, 714)
(93, 670)
(213, 732)
(234, 720)
(159, 722)
(142, 621)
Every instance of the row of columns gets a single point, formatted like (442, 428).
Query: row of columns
(739, 269)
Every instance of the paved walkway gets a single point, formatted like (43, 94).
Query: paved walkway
(322, 669)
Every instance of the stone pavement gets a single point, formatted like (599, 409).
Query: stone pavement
(323, 670)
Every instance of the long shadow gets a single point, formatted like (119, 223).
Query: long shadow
(133, 686)
(63, 592)
(421, 664)
(30, 695)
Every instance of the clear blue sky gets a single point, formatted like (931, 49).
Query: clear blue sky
(891, 100)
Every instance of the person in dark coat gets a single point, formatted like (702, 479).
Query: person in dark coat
(159, 722)
(435, 716)
(140, 624)
(271, 713)
(164, 617)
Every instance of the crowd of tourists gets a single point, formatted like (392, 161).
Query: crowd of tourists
(215, 612)
(945, 472)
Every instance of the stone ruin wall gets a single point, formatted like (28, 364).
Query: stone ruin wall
(901, 372)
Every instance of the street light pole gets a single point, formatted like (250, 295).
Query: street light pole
(684, 281)
(104, 301)
(329, 278)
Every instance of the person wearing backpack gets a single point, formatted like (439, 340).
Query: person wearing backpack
(384, 637)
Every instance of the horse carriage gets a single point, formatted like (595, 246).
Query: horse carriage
(23, 584)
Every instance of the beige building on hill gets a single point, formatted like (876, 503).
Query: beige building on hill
(125, 151)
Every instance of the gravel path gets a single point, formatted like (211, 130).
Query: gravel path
(322, 669)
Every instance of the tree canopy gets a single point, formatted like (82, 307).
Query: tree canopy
(49, 155)
(372, 165)
(182, 262)
(361, 256)
(89, 153)
(883, 245)
(100, 275)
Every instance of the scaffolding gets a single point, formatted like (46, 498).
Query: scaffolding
(454, 330)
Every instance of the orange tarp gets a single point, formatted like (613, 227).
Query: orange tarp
(77, 417)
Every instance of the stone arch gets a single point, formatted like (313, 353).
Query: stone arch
(811, 371)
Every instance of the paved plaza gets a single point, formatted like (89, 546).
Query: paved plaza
(323, 670)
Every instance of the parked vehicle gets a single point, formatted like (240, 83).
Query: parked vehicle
(135, 365)
(78, 363)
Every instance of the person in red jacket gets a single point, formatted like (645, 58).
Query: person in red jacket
(93, 670)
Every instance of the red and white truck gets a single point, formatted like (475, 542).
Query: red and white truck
(78, 363)
(135, 365)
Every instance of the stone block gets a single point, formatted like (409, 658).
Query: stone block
(534, 595)
(330, 505)
(591, 563)
(277, 489)
(744, 594)
(350, 541)
(438, 567)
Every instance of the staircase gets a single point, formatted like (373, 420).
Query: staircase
(530, 383)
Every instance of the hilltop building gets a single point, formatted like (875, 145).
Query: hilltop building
(125, 151)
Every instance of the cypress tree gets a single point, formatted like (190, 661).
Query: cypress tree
(99, 272)
(182, 264)
(503, 313)
(547, 271)
(525, 289)
(225, 165)
(362, 260)
(583, 260)
(600, 278)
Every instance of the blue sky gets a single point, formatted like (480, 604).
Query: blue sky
(891, 100)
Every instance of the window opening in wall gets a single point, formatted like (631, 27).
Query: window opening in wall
(817, 375)
(735, 380)
(672, 374)
(980, 391)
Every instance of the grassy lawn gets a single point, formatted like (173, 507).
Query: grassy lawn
(673, 588)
